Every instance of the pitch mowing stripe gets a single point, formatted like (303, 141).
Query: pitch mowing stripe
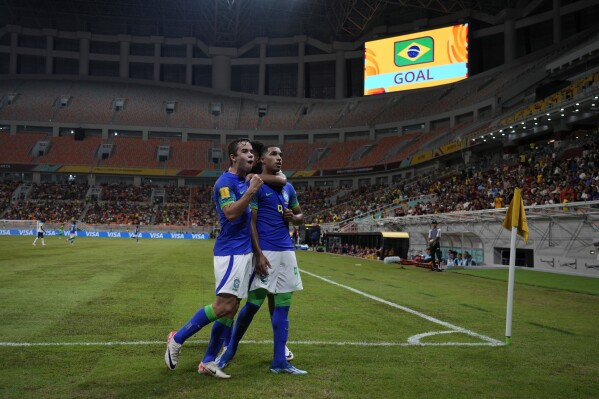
(416, 339)
(322, 343)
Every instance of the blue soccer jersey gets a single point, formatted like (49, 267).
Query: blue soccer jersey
(273, 230)
(234, 237)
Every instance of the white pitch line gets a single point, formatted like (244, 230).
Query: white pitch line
(490, 340)
(324, 343)
(412, 341)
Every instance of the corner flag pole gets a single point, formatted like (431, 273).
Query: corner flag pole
(515, 221)
(510, 287)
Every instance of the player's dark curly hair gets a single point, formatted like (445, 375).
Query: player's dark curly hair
(258, 147)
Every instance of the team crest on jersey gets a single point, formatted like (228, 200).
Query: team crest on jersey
(286, 196)
(264, 279)
(236, 284)
(224, 192)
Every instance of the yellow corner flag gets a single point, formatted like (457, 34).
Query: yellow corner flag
(516, 217)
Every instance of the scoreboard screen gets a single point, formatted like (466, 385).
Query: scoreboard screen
(416, 60)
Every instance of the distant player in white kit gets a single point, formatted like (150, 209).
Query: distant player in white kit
(40, 232)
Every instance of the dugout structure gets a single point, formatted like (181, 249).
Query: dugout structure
(392, 243)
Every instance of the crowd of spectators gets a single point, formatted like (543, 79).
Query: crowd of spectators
(7, 188)
(187, 206)
(119, 212)
(124, 192)
(60, 191)
(546, 176)
(48, 210)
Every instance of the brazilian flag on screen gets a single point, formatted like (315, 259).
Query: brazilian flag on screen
(414, 51)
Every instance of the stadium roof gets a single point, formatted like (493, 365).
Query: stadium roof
(235, 22)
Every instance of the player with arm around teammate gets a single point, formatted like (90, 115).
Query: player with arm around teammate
(232, 260)
(277, 180)
(272, 210)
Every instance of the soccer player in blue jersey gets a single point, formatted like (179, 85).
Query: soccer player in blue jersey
(273, 208)
(136, 234)
(72, 232)
(232, 260)
(277, 180)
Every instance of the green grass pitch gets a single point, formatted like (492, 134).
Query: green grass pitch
(90, 321)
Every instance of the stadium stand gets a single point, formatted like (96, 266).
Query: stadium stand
(134, 152)
(192, 109)
(545, 177)
(58, 191)
(91, 103)
(189, 155)
(17, 148)
(296, 155)
(320, 115)
(7, 188)
(337, 155)
(142, 107)
(66, 150)
(361, 113)
(381, 148)
(35, 100)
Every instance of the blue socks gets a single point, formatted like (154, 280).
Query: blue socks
(280, 327)
(202, 318)
(217, 337)
(244, 319)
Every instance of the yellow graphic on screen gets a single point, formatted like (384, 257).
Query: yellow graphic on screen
(416, 60)
(371, 68)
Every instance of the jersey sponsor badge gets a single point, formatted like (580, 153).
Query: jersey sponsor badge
(224, 192)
